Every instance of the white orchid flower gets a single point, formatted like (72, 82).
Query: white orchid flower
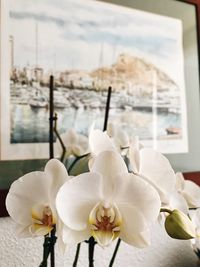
(189, 190)
(107, 203)
(31, 200)
(154, 168)
(99, 141)
(119, 137)
(75, 144)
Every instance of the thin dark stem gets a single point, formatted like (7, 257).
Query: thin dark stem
(75, 161)
(46, 251)
(77, 255)
(51, 118)
(53, 241)
(115, 252)
(107, 108)
(59, 138)
(92, 244)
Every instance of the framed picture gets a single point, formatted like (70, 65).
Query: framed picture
(147, 52)
(86, 56)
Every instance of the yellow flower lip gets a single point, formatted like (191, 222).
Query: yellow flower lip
(43, 220)
(105, 223)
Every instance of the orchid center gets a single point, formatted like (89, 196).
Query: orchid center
(43, 220)
(105, 221)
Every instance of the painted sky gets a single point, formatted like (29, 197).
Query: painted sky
(86, 34)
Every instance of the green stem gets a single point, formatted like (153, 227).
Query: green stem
(77, 255)
(115, 253)
(166, 210)
(75, 161)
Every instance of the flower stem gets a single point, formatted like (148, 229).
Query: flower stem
(77, 255)
(91, 245)
(75, 161)
(46, 251)
(166, 210)
(52, 244)
(107, 108)
(59, 138)
(115, 252)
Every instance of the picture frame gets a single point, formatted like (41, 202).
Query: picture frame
(154, 107)
(193, 175)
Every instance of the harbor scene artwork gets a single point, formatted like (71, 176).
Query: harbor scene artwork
(89, 46)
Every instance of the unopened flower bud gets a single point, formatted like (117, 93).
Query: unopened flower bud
(179, 226)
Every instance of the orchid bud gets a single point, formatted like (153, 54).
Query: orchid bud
(179, 226)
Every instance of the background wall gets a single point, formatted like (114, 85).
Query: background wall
(163, 252)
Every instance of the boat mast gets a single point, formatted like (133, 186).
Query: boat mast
(36, 45)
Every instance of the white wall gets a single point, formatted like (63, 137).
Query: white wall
(164, 252)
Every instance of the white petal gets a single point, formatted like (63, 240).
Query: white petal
(134, 155)
(196, 220)
(179, 181)
(60, 227)
(72, 237)
(39, 230)
(57, 174)
(83, 143)
(70, 137)
(25, 192)
(123, 138)
(111, 129)
(133, 224)
(133, 190)
(109, 164)
(76, 198)
(157, 168)
(140, 240)
(99, 141)
(35, 188)
(191, 193)
(177, 201)
(23, 231)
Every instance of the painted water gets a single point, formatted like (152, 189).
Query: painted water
(79, 109)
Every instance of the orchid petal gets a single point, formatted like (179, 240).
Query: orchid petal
(70, 137)
(40, 230)
(157, 168)
(140, 240)
(72, 237)
(99, 141)
(57, 176)
(133, 224)
(32, 197)
(123, 138)
(133, 190)
(109, 164)
(134, 155)
(20, 200)
(23, 231)
(76, 199)
(179, 181)
(191, 193)
(177, 201)
(111, 129)
(196, 220)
